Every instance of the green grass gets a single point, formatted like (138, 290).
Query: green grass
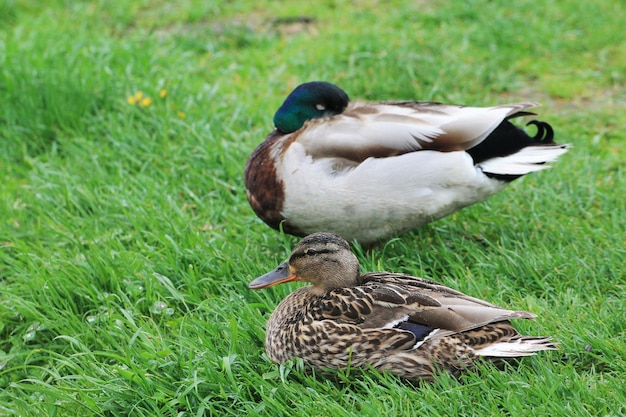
(127, 242)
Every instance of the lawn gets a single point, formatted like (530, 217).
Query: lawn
(127, 241)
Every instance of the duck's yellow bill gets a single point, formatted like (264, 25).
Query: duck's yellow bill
(277, 276)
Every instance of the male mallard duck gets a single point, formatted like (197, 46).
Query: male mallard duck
(367, 171)
(391, 322)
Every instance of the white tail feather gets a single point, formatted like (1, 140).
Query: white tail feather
(523, 346)
(527, 160)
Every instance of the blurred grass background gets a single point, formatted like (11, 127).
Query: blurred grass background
(127, 241)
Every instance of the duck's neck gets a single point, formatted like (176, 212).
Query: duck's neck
(316, 291)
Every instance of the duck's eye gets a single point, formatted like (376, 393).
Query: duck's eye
(310, 252)
(320, 107)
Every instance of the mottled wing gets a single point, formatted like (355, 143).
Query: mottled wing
(376, 305)
(434, 305)
(352, 318)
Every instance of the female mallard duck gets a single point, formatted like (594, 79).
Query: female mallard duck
(367, 171)
(391, 322)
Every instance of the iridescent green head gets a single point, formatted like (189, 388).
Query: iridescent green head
(310, 101)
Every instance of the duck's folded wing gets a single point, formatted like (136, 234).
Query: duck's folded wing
(383, 129)
(363, 306)
(429, 304)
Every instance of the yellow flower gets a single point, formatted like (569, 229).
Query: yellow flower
(163, 93)
(181, 114)
(138, 98)
(146, 101)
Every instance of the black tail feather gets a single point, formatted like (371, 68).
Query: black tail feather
(545, 133)
(507, 139)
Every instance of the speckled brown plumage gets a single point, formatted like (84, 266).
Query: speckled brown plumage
(409, 326)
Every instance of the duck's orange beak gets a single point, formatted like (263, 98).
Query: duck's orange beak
(281, 274)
